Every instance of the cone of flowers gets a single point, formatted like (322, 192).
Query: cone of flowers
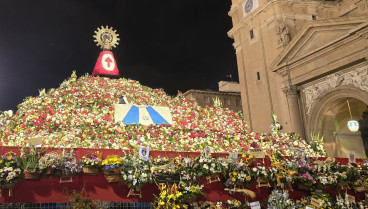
(10, 172)
(111, 168)
(91, 163)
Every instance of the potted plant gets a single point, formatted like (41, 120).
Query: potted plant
(29, 159)
(49, 162)
(10, 172)
(110, 168)
(91, 163)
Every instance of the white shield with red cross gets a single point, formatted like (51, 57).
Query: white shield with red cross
(106, 65)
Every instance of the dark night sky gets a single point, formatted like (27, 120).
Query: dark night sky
(174, 45)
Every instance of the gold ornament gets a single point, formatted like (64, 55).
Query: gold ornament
(106, 38)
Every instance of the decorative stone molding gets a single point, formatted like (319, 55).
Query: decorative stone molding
(283, 32)
(290, 91)
(357, 78)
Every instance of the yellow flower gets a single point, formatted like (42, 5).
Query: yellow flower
(235, 173)
(178, 194)
(171, 196)
(163, 194)
(161, 203)
(249, 178)
(233, 179)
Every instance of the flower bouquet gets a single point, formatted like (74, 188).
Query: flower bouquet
(169, 197)
(188, 173)
(279, 200)
(166, 170)
(49, 162)
(29, 159)
(68, 167)
(237, 174)
(262, 175)
(345, 176)
(135, 173)
(208, 167)
(10, 172)
(110, 168)
(190, 192)
(91, 163)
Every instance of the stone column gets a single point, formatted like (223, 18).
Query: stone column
(363, 128)
(294, 110)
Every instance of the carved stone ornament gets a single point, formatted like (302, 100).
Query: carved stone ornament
(357, 78)
(283, 32)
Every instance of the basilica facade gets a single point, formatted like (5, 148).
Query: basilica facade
(306, 62)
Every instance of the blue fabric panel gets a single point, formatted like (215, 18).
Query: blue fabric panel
(132, 116)
(155, 116)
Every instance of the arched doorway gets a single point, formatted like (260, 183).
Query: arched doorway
(330, 115)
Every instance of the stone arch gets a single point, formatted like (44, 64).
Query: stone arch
(332, 105)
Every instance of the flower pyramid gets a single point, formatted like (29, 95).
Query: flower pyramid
(80, 113)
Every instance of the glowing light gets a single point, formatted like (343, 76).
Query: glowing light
(353, 125)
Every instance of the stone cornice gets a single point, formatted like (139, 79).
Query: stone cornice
(224, 93)
(261, 9)
(309, 27)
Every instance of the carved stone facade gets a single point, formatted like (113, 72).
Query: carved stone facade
(283, 32)
(300, 59)
(357, 78)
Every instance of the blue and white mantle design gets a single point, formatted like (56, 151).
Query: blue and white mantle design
(141, 114)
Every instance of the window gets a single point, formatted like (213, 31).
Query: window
(207, 100)
(258, 76)
(251, 34)
(227, 101)
(237, 102)
(314, 17)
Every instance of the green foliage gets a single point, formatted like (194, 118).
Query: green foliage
(80, 202)
(29, 159)
(317, 144)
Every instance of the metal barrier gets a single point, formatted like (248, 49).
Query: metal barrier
(103, 205)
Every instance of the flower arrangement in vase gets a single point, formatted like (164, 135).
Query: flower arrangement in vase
(10, 172)
(169, 197)
(91, 163)
(237, 174)
(29, 159)
(69, 166)
(209, 167)
(164, 169)
(189, 192)
(111, 168)
(135, 173)
(49, 162)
